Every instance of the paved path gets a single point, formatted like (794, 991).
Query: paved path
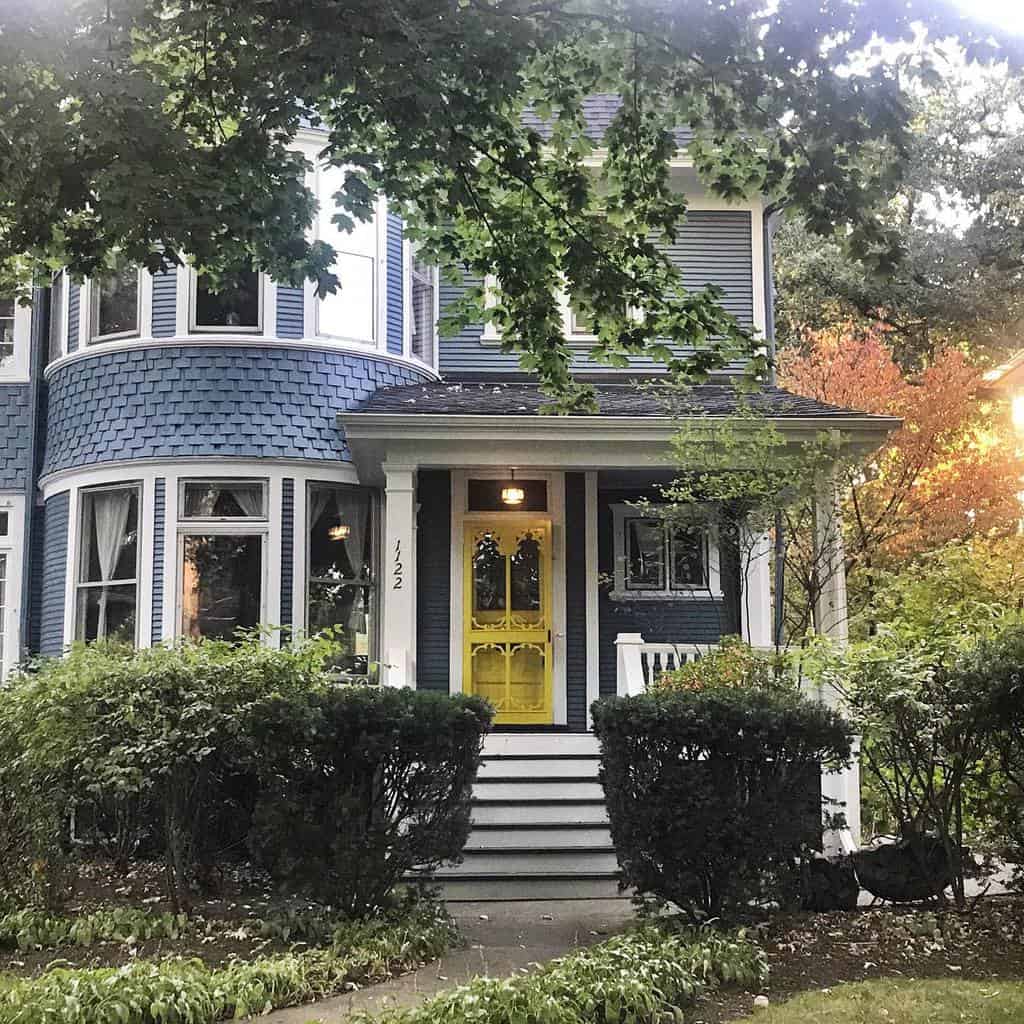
(502, 938)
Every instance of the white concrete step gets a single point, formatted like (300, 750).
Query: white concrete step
(552, 812)
(532, 766)
(517, 862)
(547, 743)
(530, 887)
(560, 836)
(538, 789)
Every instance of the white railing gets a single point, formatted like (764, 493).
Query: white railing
(640, 663)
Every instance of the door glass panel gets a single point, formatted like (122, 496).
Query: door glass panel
(488, 580)
(525, 568)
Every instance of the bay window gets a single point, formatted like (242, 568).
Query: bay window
(222, 534)
(107, 584)
(341, 584)
(114, 305)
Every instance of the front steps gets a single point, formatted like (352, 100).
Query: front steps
(540, 829)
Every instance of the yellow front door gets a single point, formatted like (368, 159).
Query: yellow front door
(507, 613)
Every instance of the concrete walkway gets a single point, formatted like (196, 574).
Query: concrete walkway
(502, 938)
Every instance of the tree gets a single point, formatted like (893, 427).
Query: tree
(957, 213)
(152, 129)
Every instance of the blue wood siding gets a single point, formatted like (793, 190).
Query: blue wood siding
(165, 303)
(180, 402)
(74, 314)
(433, 580)
(396, 292)
(287, 549)
(15, 436)
(670, 621)
(159, 526)
(53, 571)
(714, 247)
(290, 317)
(575, 601)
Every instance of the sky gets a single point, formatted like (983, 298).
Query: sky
(1006, 14)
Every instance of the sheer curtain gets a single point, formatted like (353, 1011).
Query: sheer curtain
(110, 520)
(248, 496)
(352, 509)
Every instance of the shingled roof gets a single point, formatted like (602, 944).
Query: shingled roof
(632, 400)
(598, 110)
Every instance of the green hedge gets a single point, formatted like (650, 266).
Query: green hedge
(712, 794)
(647, 974)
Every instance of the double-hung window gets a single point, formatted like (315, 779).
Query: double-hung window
(114, 305)
(341, 596)
(232, 305)
(222, 536)
(108, 564)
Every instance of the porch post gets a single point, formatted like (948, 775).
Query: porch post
(755, 588)
(398, 571)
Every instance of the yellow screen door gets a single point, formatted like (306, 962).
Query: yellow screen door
(507, 611)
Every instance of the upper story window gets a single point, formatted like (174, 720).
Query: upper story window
(235, 307)
(58, 296)
(7, 310)
(424, 310)
(114, 305)
(351, 313)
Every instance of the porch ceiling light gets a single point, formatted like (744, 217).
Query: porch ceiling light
(340, 532)
(511, 494)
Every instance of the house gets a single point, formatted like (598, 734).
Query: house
(178, 462)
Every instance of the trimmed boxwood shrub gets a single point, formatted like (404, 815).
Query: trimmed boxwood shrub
(713, 794)
(367, 784)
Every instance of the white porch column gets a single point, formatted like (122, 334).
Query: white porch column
(398, 572)
(756, 588)
(830, 615)
(630, 669)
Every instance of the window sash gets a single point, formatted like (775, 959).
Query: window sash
(240, 529)
(55, 344)
(7, 311)
(96, 297)
(704, 551)
(226, 484)
(667, 582)
(200, 328)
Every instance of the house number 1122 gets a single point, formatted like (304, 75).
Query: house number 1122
(398, 573)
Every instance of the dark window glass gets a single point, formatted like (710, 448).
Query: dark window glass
(6, 329)
(485, 495)
(236, 304)
(423, 311)
(689, 559)
(645, 554)
(489, 567)
(5, 523)
(107, 613)
(56, 344)
(526, 570)
(222, 585)
(116, 303)
(225, 499)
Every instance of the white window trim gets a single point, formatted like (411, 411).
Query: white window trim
(62, 319)
(408, 254)
(194, 328)
(621, 514)
(89, 312)
(12, 546)
(16, 369)
(81, 546)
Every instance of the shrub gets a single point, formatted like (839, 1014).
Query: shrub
(712, 794)
(734, 664)
(647, 974)
(366, 785)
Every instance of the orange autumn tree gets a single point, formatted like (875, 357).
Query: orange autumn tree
(952, 471)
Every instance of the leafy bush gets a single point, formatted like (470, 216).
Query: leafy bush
(733, 664)
(33, 929)
(712, 794)
(175, 991)
(644, 975)
(367, 784)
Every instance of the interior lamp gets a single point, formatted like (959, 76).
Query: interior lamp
(340, 532)
(511, 493)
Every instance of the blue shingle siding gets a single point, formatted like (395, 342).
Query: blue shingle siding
(159, 525)
(74, 312)
(713, 247)
(575, 601)
(186, 401)
(670, 621)
(395, 296)
(15, 436)
(165, 303)
(287, 549)
(54, 574)
(290, 318)
(433, 579)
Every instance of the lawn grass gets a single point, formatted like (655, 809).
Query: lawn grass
(904, 1002)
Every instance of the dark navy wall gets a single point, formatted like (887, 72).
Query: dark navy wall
(714, 247)
(165, 303)
(433, 579)
(290, 318)
(287, 549)
(208, 400)
(74, 313)
(670, 621)
(15, 436)
(396, 290)
(159, 525)
(575, 601)
(53, 570)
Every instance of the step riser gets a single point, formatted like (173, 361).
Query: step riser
(540, 838)
(542, 768)
(567, 862)
(537, 791)
(540, 814)
(548, 744)
(466, 890)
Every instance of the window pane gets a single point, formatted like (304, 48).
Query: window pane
(5, 523)
(645, 554)
(117, 303)
(236, 304)
(56, 316)
(349, 312)
(526, 570)
(110, 522)
(340, 533)
(349, 609)
(488, 575)
(107, 613)
(6, 329)
(225, 499)
(222, 585)
(689, 561)
(423, 311)
(485, 495)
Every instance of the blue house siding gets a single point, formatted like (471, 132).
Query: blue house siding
(159, 525)
(287, 549)
(670, 621)
(181, 402)
(575, 601)
(714, 247)
(74, 314)
(15, 436)
(290, 316)
(433, 580)
(165, 303)
(53, 572)
(396, 294)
